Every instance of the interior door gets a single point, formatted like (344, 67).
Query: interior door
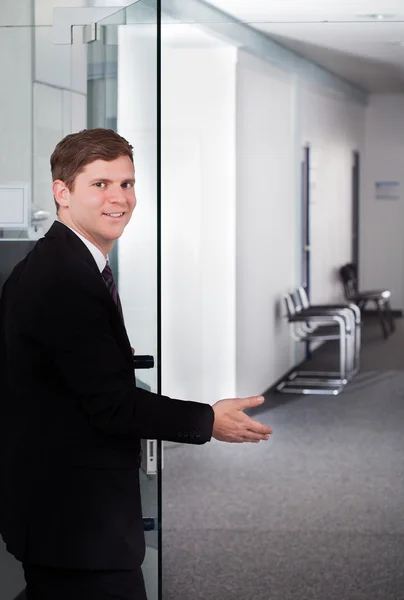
(355, 211)
(305, 256)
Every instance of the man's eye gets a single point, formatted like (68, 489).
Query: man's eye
(100, 184)
(127, 185)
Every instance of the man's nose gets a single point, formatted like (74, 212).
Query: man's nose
(117, 194)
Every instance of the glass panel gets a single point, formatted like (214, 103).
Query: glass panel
(41, 103)
(122, 95)
(55, 90)
(53, 100)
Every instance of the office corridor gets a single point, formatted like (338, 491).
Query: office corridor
(316, 513)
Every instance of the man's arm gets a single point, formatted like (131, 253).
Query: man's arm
(76, 335)
(81, 344)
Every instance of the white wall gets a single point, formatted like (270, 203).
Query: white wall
(198, 221)
(266, 221)
(276, 116)
(334, 128)
(198, 208)
(198, 212)
(381, 221)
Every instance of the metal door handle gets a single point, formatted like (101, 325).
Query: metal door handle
(149, 524)
(143, 361)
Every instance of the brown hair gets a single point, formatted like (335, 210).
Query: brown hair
(77, 150)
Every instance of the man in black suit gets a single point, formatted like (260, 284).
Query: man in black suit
(72, 417)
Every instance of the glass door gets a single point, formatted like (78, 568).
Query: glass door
(106, 75)
(122, 94)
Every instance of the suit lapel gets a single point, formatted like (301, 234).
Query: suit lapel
(74, 244)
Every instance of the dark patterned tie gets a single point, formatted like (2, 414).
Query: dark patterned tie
(113, 290)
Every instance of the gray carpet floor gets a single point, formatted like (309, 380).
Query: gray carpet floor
(317, 512)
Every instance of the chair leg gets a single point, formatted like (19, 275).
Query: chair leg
(380, 312)
(389, 315)
(343, 351)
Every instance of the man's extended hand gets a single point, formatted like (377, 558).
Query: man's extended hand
(232, 425)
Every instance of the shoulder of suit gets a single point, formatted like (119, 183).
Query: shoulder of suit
(53, 265)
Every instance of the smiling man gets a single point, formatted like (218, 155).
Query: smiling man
(72, 417)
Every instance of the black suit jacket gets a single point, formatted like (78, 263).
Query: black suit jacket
(72, 417)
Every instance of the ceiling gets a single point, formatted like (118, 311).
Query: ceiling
(347, 37)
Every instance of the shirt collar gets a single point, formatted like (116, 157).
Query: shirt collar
(98, 256)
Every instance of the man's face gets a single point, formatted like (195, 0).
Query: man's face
(101, 202)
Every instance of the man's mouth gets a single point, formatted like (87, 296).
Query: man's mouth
(114, 215)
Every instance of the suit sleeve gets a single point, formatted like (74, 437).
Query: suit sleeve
(76, 335)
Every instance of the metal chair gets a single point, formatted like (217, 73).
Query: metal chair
(323, 326)
(381, 298)
(353, 312)
(319, 329)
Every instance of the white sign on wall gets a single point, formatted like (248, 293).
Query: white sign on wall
(14, 206)
(387, 190)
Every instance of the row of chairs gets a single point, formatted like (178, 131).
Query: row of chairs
(321, 323)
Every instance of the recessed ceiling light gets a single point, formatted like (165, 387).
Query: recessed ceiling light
(376, 17)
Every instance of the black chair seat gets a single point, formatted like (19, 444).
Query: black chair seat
(374, 294)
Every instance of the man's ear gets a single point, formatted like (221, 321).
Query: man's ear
(61, 193)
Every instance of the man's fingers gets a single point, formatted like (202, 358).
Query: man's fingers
(253, 437)
(250, 402)
(256, 426)
(250, 435)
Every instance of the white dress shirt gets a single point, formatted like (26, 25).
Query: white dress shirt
(98, 256)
